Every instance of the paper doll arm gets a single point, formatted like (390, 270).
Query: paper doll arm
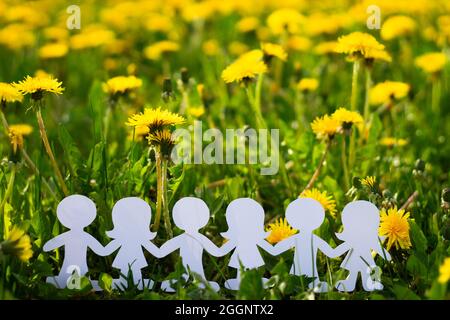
(382, 252)
(154, 250)
(338, 251)
(168, 247)
(213, 250)
(268, 247)
(55, 243)
(95, 245)
(110, 248)
(325, 247)
(283, 246)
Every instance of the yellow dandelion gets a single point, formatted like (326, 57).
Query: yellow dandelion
(388, 91)
(279, 230)
(325, 127)
(155, 119)
(393, 142)
(274, 50)
(163, 140)
(243, 69)
(17, 244)
(237, 48)
(16, 134)
(91, 37)
(156, 50)
(37, 86)
(326, 47)
(347, 118)
(397, 26)
(53, 50)
(196, 112)
(139, 133)
(121, 84)
(308, 84)
(211, 47)
(394, 226)
(298, 43)
(8, 93)
(359, 44)
(285, 20)
(327, 201)
(431, 62)
(444, 271)
(247, 24)
(369, 181)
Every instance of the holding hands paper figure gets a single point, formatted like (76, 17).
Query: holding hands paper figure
(245, 218)
(74, 212)
(306, 215)
(131, 218)
(361, 220)
(190, 214)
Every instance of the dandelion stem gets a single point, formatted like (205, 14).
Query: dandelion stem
(410, 200)
(436, 95)
(49, 151)
(165, 204)
(354, 107)
(319, 167)
(8, 193)
(344, 163)
(367, 97)
(159, 191)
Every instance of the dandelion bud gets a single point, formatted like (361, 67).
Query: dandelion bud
(356, 182)
(185, 76)
(167, 90)
(420, 165)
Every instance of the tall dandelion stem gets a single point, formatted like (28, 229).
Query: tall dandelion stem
(354, 107)
(367, 98)
(159, 190)
(319, 167)
(344, 163)
(165, 199)
(8, 193)
(436, 95)
(49, 151)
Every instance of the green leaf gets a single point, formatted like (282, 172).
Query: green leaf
(105, 282)
(418, 239)
(251, 286)
(71, 151)
(403, 293)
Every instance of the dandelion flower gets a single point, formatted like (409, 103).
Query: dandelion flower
(8, 93)
(444, 271)
(155, 119)
(196, 111)
(243, 69)
(37, 86)
(156, 50)
(164, 140)
(359, 44)
(16, 134)
(325, 127)
(347, 118)
(327, 201)
(274, 50)
(431, 62)
(279, 230)
(392, 142)
(285, 20)
(388, 91)
(308, 84)
(121, 85)
(53, 51)
(326, 47)
(247, 24)
(397, 26)
(211, 47)
(369, 181)
(394, 226)
(299, 43)
(17, 244)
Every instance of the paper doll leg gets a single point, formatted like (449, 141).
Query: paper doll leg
(348, 284)
(233, 284)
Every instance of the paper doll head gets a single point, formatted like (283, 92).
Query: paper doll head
(131, 218)
(245, 218)
(76, 211)
(305, 214)
(190, 214)
(361, 220)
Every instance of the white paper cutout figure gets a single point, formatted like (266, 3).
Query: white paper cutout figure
(74, 212)
(131, 218)
(245, 218)
(361, 220)
(190, 214)
(306, 215)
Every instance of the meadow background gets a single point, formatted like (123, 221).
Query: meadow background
(178, 50)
